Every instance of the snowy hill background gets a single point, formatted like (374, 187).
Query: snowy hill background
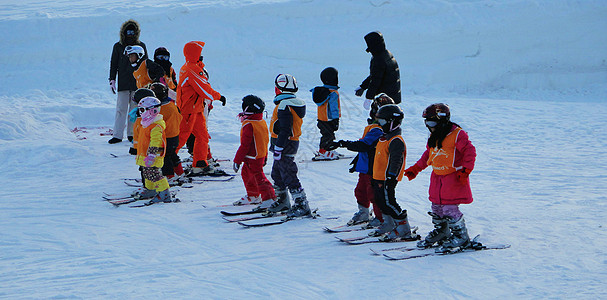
(526, 79)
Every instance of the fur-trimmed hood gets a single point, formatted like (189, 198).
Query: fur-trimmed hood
(130, 24)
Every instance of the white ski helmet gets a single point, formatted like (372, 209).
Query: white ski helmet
(149, 108)
(128, 50)
(286, 83)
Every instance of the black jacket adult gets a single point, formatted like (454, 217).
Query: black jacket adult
(119, 63)
(384, 73)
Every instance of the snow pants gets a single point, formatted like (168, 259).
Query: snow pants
(365, 194)
(124, 104)
(153, 179)
(195, 124)
(255, 181)
(451, 210)
(327, 132)
(284, 173)
(171, 159)
(385, 197)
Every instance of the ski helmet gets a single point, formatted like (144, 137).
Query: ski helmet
(286, 83)
(389, 117)
(149, 109)
(328, 76)
(161, 53)
(142, 93)
(160, 90)
(252, 104)
(437, 113)
(128, 50)
(379, 101)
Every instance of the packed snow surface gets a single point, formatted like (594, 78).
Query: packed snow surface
(526, 79)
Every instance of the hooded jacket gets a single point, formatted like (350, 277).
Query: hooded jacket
(384, 72)
(285, 125)
(119, 63)
(193, 87)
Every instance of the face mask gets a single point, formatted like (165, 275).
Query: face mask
(148, 115)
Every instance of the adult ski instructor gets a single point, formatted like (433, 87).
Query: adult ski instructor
(121, 66)
(384, 73)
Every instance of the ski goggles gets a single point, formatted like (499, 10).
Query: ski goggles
(163, 57)
(431, 123)
(130, 32)
(382, 122)
(144, 109)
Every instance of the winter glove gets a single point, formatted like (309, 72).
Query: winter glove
(149, 160)
(277, 153)
(334, 145)
(367, 103)
(412, 171)
(236, 167)
(462, 175)
(391, 181)
(359, 91)
(113, 86)
(133, 114)
(222, 99)
(133, 151)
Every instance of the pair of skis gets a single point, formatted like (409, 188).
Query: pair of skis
(408, 252)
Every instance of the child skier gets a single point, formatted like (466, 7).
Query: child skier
(135, 118)
(326, 98)
(363, 164)
(172, 119)
(285, 129)
(452, 157)
(151, 149)
(162, 57)
(253, 153)
(388, 170)
(145, 70)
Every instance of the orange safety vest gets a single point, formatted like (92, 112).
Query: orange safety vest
(323, 114)
(382, 157)
(296, 128)
(442, 160)
(141, 75)
(260, 137)
(172, 117)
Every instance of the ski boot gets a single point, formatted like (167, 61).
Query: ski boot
(301, 207)
(438, 235)
(402, 231)
(459, 238)
(280, 204)
(361, 216)
(143, 193)
(245, 200)
(163, 196)
(386, 226)
(373, 223)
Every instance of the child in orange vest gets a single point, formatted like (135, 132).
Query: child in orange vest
(253, 153)
(172, 117)
(452, 157)
(363, 164)
(388, 170)
(326, 98)
(151, 149)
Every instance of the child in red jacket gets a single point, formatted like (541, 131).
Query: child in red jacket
(452, 157)
(252, 154)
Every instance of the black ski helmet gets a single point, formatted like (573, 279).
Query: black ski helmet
(252, 104)
(328, 76)
(160, 90)
(389, 117)
(142, 93)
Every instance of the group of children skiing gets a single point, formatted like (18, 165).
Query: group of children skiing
(164, 124)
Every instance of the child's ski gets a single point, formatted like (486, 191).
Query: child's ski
(148, 203)
(346, 228)
(410, 253)
(240, 218)
(374, 239)
(276, 220)
(254, 210)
